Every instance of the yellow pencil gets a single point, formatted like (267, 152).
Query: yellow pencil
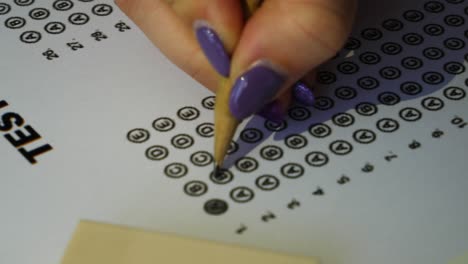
(225, 123)
(249, 7)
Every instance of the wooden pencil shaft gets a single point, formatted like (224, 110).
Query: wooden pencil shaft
(225, 123)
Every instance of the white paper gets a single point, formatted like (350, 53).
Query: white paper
(384, 202)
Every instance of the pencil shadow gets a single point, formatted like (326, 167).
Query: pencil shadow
(368, 74)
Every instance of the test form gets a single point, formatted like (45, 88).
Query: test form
(93, 127)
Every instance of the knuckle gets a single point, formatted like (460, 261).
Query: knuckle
(323, 24)
(331, 33)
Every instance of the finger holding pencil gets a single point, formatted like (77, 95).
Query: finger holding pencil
(266, 72)
(256, 66)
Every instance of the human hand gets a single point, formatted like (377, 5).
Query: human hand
(271, 57)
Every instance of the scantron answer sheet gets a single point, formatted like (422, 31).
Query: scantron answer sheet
(93, 127)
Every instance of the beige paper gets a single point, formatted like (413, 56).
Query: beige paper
(95, 243)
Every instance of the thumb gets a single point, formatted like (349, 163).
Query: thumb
(282, 42)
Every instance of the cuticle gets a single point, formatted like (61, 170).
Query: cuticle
(269, 64)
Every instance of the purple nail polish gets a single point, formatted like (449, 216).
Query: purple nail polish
(303, 94)
(213, 47)
(273, 112)
(255, 88)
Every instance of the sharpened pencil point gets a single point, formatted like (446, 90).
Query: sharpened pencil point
(217, 169)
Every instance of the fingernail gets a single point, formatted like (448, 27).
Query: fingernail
(273, 112)
(213, 47)
(254, 89)
(303, 94)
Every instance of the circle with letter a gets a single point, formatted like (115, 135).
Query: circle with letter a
(292, 170)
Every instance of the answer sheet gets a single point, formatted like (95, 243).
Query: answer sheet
(97, 124)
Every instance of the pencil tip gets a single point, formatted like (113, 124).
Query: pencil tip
(217, 169)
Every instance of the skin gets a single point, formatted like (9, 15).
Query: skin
(296, 35)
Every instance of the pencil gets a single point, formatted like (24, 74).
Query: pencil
(249, 7)
(225, 123)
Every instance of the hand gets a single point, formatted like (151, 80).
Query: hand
(271, 57)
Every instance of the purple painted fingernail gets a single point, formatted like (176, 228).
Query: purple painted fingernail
(303, 94)
(213, 47)
(254, 89)
(273, 112)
